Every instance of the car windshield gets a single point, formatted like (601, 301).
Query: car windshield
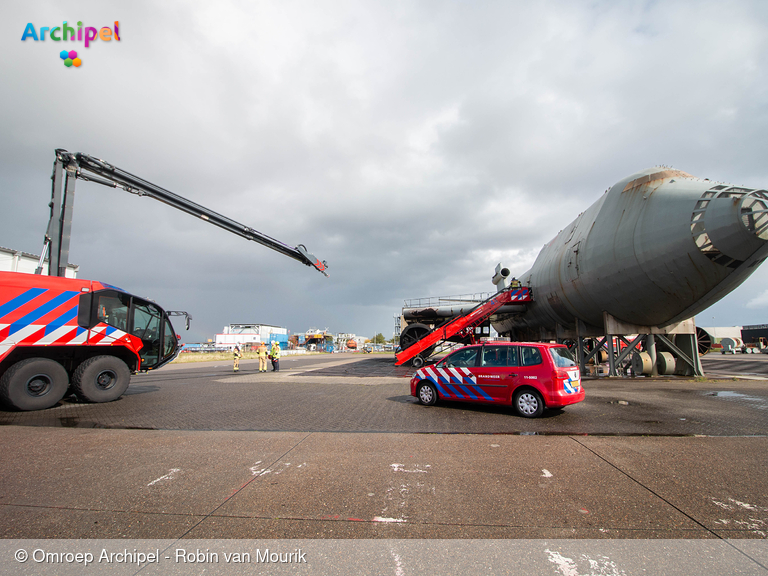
(562, 357)
(463, 358)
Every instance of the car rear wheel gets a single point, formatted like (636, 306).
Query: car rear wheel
(34, 384)
(528, 403)
(427, 394)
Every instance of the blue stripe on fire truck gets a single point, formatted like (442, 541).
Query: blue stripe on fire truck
(41, 311)
(60, 321)
(20, 300)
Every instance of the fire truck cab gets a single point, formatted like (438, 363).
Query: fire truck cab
(64, 335)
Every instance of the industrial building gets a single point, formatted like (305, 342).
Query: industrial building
(18, 261)
(344, 340)
(317, 340)
(249, 335)
(755, 334)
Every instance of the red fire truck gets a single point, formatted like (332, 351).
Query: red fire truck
(65, 334)
(61, 334)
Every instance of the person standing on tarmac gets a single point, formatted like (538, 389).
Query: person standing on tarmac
(262, 350)
(237, 358)
(275, 355)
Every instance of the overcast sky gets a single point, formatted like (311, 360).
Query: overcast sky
(412, 145)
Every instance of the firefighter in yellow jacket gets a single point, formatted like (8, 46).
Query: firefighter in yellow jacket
(262, 350)
(238, 355)
(274, 353)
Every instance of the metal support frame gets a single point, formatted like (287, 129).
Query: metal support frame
(72, 167)
(67, 206)
(694, 363)
(686, 354)
(630, 347)
(651, 336)
(53, 233)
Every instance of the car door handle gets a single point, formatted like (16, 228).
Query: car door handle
(512, 375)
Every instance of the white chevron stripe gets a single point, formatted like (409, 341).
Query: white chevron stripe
(80, 339)
(56, 334)
(47, 339)
(455, 372)
(21, 334)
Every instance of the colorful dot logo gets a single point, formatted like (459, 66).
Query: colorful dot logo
(70, 58)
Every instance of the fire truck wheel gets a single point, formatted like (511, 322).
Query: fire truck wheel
(417, 361)
(528, 403)
(101, 379)
(427, 394)
(34, 384)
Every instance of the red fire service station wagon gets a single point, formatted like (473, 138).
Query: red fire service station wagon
(529, 376)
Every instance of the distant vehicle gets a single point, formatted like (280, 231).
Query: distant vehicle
(528, 376)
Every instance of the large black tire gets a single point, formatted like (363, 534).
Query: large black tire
(33, 384)
(412, 334)
(703, 340)
(101, 379)
(427, 393)
(528, 403)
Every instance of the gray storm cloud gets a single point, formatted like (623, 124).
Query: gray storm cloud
(411, 145)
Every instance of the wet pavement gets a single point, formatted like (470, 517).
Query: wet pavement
(320, 450)
(345, 393)
(741, 365)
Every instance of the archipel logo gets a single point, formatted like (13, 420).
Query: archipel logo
(65, 33)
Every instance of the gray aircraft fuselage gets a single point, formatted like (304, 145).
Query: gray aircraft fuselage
(657, 248)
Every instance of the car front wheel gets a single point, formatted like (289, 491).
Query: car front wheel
(528, 403)
(427, 394)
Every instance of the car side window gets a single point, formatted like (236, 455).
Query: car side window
(530, 356)
(513, 353)
(494, 356)
(465, 358)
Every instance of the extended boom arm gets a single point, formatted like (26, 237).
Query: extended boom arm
(92, 169)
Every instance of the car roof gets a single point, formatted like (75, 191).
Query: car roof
(540, 344)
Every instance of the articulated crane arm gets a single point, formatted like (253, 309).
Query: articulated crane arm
(85, 167)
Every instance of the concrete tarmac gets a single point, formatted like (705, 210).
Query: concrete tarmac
(465, 480)
(640, 458)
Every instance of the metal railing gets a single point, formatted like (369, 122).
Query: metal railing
(434, 301)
